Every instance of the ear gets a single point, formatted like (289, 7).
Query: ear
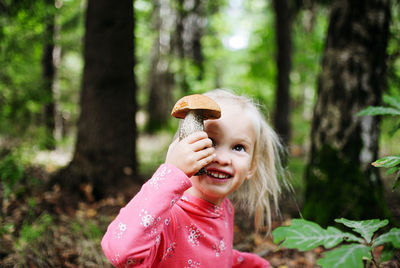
(253, 168)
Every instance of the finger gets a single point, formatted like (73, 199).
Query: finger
(202, 144)
(205, 161)
(196, 136)
(205, 153)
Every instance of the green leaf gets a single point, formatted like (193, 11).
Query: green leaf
(391, 101)
(396, 181)
(388, 161)
(365, 228)
(394, 130)
(387, 254)
(392, 170)
(346, 256)
(393, 236)
(378, 110)
(305, 235)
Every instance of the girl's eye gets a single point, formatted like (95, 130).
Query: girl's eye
(239, 148)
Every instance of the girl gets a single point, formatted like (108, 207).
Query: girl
(179, 219)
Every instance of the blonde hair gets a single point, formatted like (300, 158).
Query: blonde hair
(256, 194)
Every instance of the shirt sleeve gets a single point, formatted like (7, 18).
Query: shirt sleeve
(244, 259)
(133, 236)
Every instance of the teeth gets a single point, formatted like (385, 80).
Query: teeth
(218, 175)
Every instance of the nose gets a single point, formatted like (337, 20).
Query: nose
(222, 156)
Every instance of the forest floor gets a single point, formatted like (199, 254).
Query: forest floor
(36, 230)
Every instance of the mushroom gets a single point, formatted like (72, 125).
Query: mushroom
(194, 109)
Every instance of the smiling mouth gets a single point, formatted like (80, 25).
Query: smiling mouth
(218, 175)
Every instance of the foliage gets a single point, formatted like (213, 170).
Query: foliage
(305, 235)
(30, 232)
(393, 109)
(53, 240)
(11, 173)
(17, 174)
(251, 69)
(22, 39)
(393, 71)
(20, 81)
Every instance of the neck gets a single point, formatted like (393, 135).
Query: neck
(194, 192)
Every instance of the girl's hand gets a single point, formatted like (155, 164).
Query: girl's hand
(192, 153)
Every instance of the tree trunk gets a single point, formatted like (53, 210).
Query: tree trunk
(189, 31)
(161, 79)
(179, 33)
(340, 182)
(49, 74)
(58, 117)
(283, 36)
(105, 149)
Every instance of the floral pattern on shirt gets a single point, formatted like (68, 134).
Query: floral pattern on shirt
(119, 230)
(194, 235)
(219, 247)
(159, 177)
(116, 259)
(147, 219)
(157, 228)
(192, 264)
(169, 252)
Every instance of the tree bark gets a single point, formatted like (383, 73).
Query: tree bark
(49, 73)
(340, 182)
(161, 79)
(283, 36)
(179, 33)
(188, 34)
(106, 142)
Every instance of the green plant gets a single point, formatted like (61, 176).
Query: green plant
(30, 232)
(11, 172)
(305, 235)
(393, 109)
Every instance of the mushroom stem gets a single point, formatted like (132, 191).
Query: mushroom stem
(194, 109)
(191, 123)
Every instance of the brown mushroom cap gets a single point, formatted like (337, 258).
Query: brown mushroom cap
(208, 108)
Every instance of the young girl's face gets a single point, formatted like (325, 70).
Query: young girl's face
(234, 138)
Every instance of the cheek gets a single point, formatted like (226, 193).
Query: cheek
(247, 168)
(199, 182)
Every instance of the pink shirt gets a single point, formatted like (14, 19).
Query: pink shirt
(163, 227)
